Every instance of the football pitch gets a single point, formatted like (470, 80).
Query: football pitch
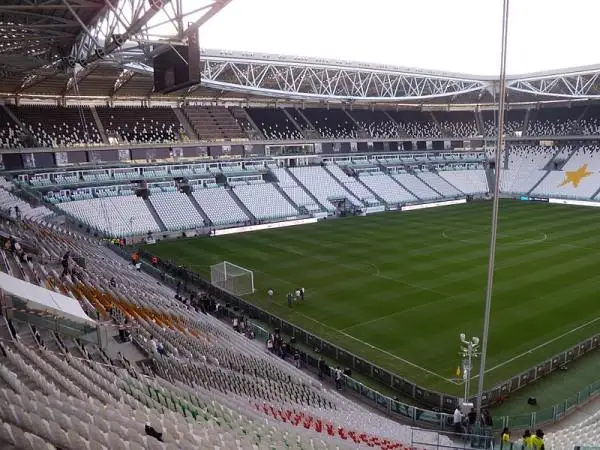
(397, 288)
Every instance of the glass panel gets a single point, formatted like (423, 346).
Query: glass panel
(520, 421)
(402, 409)
(571, 401)
(545, 415)
(429, 417)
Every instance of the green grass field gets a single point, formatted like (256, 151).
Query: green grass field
(397, 288)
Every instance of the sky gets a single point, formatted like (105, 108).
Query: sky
(448, 35)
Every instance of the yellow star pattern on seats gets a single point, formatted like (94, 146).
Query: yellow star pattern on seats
(575, 176)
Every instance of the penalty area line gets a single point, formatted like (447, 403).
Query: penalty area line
(542, 345)
(380, 350)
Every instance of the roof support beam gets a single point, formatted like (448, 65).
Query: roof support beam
(78, 77)
(215, 8)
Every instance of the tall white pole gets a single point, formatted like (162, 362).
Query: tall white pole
(492, 255)
(468, 378)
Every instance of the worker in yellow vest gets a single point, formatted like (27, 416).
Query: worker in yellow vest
(537, 441)
(527, 437)
(505, 437)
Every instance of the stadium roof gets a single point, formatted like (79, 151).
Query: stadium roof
(104, 48)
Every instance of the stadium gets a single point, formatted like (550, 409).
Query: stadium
(207, 248)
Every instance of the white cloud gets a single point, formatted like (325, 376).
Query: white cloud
(456, 35)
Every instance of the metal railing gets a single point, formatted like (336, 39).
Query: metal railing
(441, 404)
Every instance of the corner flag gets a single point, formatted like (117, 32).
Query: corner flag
(458, 372)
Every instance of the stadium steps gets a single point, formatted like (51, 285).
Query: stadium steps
(155, 215)
(314, 132)
(185, 123)
(569, 157)
(428, 185)
(479, 121)
(241, 204)
(350, 193)
(317, 202)
(379, 199)
(526, 120)
(550, 164)
(538, 183)
(391, 119)
(205, 217)
(491, 179)
(99, 125)
(241, 113)
(405, 188)
(15, 119)
(448, 182)
(351, 117)
(291, 119)
(595, 194)
(287, 197)
(436, 121)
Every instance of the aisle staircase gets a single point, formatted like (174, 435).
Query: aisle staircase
(155, 215)
(205, 217)
(241, 204)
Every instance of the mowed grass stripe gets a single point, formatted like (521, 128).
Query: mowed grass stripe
(397, 283)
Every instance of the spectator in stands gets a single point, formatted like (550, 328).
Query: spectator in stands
(18, 249)
(457, 419)
(505, 436)
(113, 282)
(270, 344)
(537, 441)
(135, 256)
(65, 264)
(160, 348)
(154, 261)
(153, 344)
(17, 212)
(297, 359)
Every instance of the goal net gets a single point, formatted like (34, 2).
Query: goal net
(232, 278)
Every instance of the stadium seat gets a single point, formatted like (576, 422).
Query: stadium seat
(265, 202)
(220, 206)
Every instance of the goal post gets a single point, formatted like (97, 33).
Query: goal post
(232, 278)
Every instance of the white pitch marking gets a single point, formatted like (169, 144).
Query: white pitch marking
(531, 350)
(385, 352)
(516, 244)
(398, 313)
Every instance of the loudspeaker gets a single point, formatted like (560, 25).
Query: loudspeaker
(532, 401)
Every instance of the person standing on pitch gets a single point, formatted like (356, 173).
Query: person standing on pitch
(302, 294)
(298, 294)
(290, 299)
(270, 294)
